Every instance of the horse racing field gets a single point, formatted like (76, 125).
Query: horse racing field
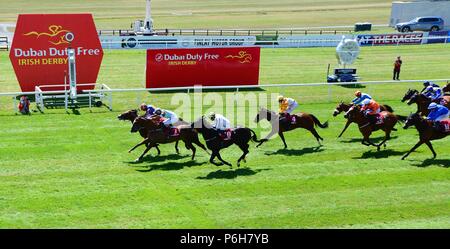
(72, 170)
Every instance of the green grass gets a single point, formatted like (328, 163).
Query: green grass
(173, 14)
(73, 171)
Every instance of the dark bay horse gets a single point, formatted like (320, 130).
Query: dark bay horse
(303, 120)
(131, 115)
(446, 89)
(354, 114)
(422, 101)
(426, 132)
(240, 137)
(156, 135)
(342, 107)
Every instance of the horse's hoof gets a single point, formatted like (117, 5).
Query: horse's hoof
(137, 160)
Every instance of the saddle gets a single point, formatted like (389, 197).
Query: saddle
(226, 134)
(443, 126)
(171, 131)
(288, 118)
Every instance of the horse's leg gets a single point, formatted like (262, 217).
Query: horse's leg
(192, 147)
(176, 147)
(146, 141)
(413, 148)
(199, 144)
(145, 151)
(282, 139)
(316, 135)
(220, 158)
(386, 137)
(345, 128)
(244, 148)
(267, 137)
(157, 148)
(213, 155)
(431, 148)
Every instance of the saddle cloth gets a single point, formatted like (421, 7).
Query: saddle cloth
(380, 118)
(172, 131)
(226, 135)
(445, 124)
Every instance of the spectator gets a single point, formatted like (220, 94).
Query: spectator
(397, 66)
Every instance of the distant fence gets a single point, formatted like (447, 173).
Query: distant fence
(4, 44)
(228, 32)
(326, 94)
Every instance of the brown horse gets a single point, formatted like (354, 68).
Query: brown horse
(446, 88)
(426, 132)
(240, 137)
(280, 124)
(342, 107)
(131, 115)
(354, 114)
(423, 102)
(156, 135)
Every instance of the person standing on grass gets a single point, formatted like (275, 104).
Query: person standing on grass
(397, 66)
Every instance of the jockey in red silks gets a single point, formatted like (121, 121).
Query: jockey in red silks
(370, 109)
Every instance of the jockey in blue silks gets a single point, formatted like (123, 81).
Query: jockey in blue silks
(170, 117)
(437, 112)
(427, 84)
(434, 93)
(148, 109)
(360, 97)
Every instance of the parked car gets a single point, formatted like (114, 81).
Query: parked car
(423, 23)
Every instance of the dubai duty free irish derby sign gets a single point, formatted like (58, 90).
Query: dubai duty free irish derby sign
(39, 49)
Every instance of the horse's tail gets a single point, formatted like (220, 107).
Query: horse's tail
(401, 118)
(388, 108)
(317, 122)
(254, 137)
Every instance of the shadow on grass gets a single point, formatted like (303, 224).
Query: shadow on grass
(230, 174)
(153, 159)
(295, 152)
(434, 162)
(380, 154)
(357, 85)
(172, 166)
(374, 140)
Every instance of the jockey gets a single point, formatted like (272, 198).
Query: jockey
(360, 97)
(287, 105)
(427, 84)
(221, 124)
(148, 109)
(370, 108)
(170, 117)
(437, 114)
(433, 92)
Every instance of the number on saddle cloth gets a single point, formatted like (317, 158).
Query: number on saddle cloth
(443, 126)
(225, 134)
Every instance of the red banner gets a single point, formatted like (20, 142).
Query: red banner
(202, 66)
(39, 49)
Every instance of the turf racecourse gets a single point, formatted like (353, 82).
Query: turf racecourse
(61, 170)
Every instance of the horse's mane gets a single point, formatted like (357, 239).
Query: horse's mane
(267, 110)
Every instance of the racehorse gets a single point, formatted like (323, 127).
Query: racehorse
(426, 132)
(422, 101)
(157, 135)
(354, 114)
(280, 124)
(240, 137)
(342, 107)
(131, 115)
(446, 89)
